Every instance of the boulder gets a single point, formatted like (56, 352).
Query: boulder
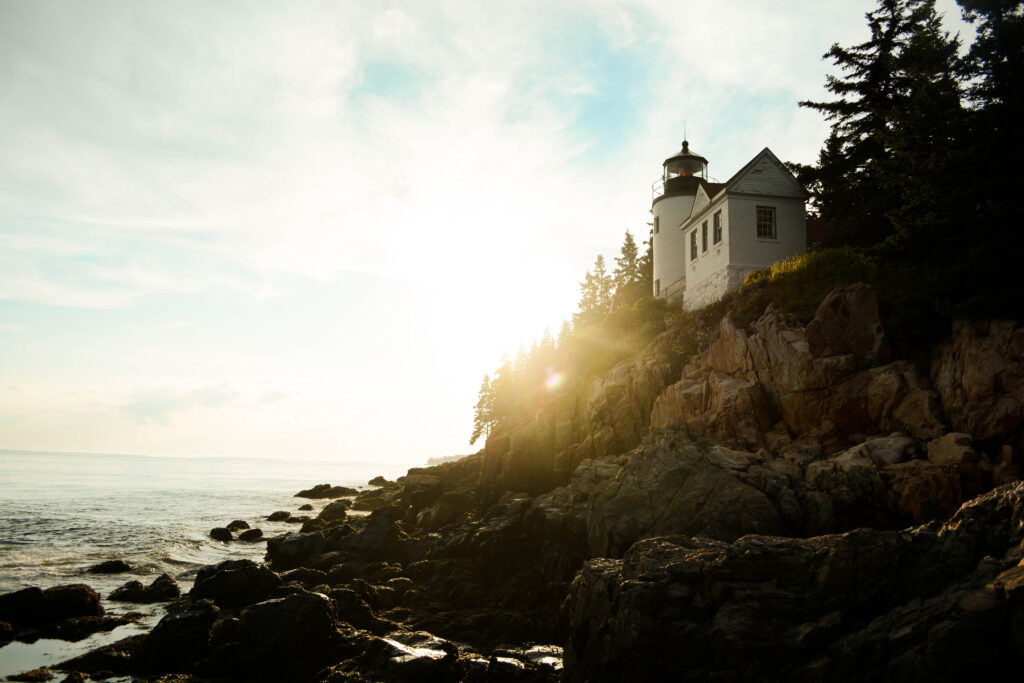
(39, 675)
(179, 639)
(333, 511)
(251, 535)
(235, 583)
(307, 577)
(291, 626)
(979, 376)
(281, 515)
(221, 534)
(110, 567)
(419, 490)
(105, 661)
(75, 629)
(326, 491)
(378, 481)
(238, 525)
(415, 656)
(162, 589)
(306, 507)
(847, 322)
(35, 607)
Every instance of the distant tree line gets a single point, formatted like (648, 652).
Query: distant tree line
(615, 315)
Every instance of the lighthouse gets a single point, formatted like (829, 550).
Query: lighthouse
(672, 202)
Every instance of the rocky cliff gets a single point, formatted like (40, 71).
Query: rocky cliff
(790, 502)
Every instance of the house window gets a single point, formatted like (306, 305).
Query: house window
(766, 222)
(717, 236)
(657, 287)
(693, 245)
(655, 225)
(704, 236)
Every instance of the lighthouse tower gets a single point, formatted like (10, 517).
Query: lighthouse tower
(673, 196)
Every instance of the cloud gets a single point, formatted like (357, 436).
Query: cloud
(157, 405)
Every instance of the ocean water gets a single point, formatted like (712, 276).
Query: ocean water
(63, 513)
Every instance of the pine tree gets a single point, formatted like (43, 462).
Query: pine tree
(925, 142)
(603, 285)
(995, 136)
(483, 413)
(564, 335)
(850, 177)
(646, 265)
(595, 295)
(627, 276)
(995, 66)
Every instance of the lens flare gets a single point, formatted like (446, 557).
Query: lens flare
(554, 379)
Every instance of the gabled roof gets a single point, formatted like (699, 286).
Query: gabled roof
(751, 167)
(739, 183)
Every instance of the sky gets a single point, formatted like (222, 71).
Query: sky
(308, 229)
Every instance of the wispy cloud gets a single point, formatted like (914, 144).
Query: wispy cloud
(157, 405)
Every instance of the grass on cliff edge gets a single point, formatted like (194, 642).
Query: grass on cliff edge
(918, 300)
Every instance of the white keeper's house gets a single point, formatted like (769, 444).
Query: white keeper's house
(709, 236)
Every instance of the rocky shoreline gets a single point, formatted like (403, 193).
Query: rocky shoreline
(789, 503)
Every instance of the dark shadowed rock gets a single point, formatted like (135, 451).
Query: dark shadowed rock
(280, 515)
(326, 491)
(75, 629)
(162, 589)
(290, 625)
(34, 607)
(33, 676)
(238, 525)
(221, 534)
(980, 378)
(378, 481)
(251, 535)
(110, 567)
(776, 609)
(306, 507)
(113, 659)
(179, 639)
(235, 583)
(307, 577)
(352, 608)
(333, 511)
(415, 656)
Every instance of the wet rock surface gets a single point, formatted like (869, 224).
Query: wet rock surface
(163, 588)
(327, 491)
(110, 567)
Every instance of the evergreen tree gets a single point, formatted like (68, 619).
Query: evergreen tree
(564, 335)
(995, 67)
(595, 295)
(627, 277)
(603, 285)
(925, 142)
(853, 191)
(483, 413)
(503, 390)
(646, 265)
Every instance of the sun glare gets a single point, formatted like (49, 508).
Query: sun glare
(554, 379)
